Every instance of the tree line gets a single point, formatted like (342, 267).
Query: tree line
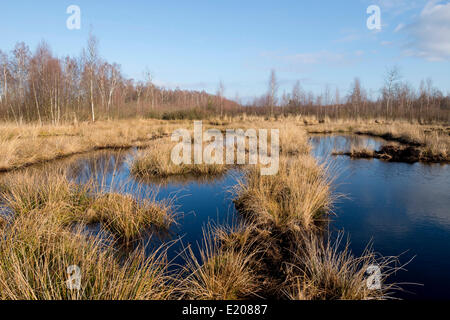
(397, 99)
(38, 86)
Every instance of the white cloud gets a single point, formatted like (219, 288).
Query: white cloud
(429, 34)
(315, 57)
(399, 27)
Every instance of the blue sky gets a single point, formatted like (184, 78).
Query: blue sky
(195, 44)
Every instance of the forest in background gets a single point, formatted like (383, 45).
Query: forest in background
(40, 87)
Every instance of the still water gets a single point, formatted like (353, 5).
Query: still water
(402, 208)
(199, 202)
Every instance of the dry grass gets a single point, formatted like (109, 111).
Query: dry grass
(36, 193)
(35, 252)
(277, 253)
(357, 152)
(298, 196)
(219, 273)
(29, 144)
(156, 161)
(293, 140)
(252, 261)
(3, 222)
(433, 142)
(127, 218)
(30, 192)
(323, 270)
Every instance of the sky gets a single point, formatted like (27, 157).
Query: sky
(195, 44)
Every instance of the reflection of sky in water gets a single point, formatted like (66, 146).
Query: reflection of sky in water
(401, 207)
(199, 201)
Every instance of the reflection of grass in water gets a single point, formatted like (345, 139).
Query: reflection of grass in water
(123, 215)
(277, 254)
(156, 162)
(432, 141)
(182, 180)
(29, 144)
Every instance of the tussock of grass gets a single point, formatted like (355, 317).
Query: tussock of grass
(156, 162)
(294, 264)
(356, 152)
(35, 252)
(298, 196)
(29, 192)
(128, 218)
(35, 194)
(323, 270)
(219, 273)
(293, 140)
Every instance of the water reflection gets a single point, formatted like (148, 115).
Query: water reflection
(199, 201)
(324, 145)
(403, 208)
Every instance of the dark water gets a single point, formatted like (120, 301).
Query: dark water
(199, 203)
(402, 208)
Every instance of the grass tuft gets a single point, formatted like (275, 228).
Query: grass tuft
(35, 254)
(326, 270)
(156, 162)
(298, 196)
(219, 273)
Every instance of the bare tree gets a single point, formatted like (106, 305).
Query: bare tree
(150, 87)
(391, 78)
(220, 93)
(20, 65)
(297, 94)
(4, 66)
(91, 64)
(273, 89)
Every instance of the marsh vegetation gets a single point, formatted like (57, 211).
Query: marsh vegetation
(280, 248)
